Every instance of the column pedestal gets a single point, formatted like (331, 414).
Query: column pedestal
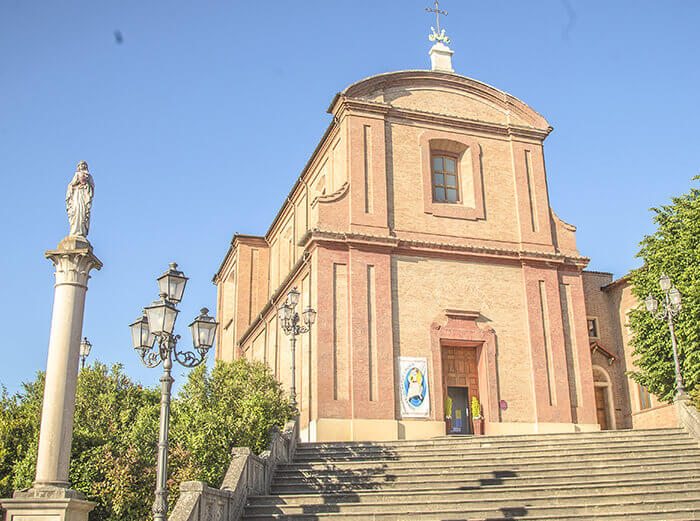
(47, 503)
(51, 499)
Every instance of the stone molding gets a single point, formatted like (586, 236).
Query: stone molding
(456, 327)
(247, 474)
(398, 245)
(344, 105)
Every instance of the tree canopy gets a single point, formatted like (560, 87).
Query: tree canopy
(115, 432)
(673, 249)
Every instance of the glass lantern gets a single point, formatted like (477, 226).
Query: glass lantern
(293, 298)
(285, 313)
(172, 283)
(85, 347)
(161, 316)
(203, 330)
(309, 316)
(651, 303)
(141, 336)
(675, 297)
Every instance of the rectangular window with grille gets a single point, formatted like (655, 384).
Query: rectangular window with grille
(445, 178)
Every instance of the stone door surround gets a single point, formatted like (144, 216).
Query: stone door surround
(457, 328)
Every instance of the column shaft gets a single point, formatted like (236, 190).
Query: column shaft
(61, 382)
(73, 260)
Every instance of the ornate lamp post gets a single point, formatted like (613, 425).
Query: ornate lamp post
(156, 326)
(85, 347)
(670, 307)
(291, 326)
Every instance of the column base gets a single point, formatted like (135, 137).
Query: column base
(47, 503)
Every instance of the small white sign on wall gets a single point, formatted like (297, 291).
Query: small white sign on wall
(413, 383)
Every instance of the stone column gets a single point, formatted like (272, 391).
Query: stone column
(51, 499)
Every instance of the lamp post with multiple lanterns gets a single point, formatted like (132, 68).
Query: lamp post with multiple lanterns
(670, 307)
(85, 347)
(153, 338)
(292, 326)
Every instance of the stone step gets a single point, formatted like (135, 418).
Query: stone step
(306, 485)
(480, 496)
(656, 512)
(526, 439)
(520, 445)
(612, 475)
(440, 440)
(470, 509)
(489, 451)
(496, 469)
(557, 457)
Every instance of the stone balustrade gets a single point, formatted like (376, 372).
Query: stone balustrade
(688, 417)
(247, 474)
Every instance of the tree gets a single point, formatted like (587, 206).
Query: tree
(115, 433)
(673, 249)
(19, 433)
(236, 405)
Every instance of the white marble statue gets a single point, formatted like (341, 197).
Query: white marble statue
(79, 200)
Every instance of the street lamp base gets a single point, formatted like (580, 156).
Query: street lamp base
(47, 503)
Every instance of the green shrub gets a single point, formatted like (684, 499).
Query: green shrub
(115, 432)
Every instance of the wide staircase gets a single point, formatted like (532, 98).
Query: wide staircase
(612, 475)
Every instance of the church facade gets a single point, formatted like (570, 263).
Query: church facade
(422, 233)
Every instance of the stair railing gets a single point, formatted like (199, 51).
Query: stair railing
(247, 474)
(688, 417)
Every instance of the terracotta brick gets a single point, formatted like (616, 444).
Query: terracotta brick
(392, 273)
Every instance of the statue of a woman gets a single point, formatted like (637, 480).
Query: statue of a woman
(79, 200)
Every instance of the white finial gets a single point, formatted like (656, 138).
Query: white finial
(440, 53)
(439, 35)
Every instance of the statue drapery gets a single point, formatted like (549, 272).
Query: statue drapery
(79, 200)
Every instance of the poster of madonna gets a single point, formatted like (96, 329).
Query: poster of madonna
(415, 399)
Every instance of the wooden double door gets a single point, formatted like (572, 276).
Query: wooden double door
(460, 381)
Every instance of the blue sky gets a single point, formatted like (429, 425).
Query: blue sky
(198, 123)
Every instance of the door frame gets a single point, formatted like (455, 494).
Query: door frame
(458, 327)
(471, 390)
(606, 382)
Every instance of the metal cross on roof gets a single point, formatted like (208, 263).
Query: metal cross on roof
(438, 35)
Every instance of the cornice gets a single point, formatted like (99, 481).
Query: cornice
(229, 258)
(487, 127)
(622, 281)
(417, 246)
(343, 104)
